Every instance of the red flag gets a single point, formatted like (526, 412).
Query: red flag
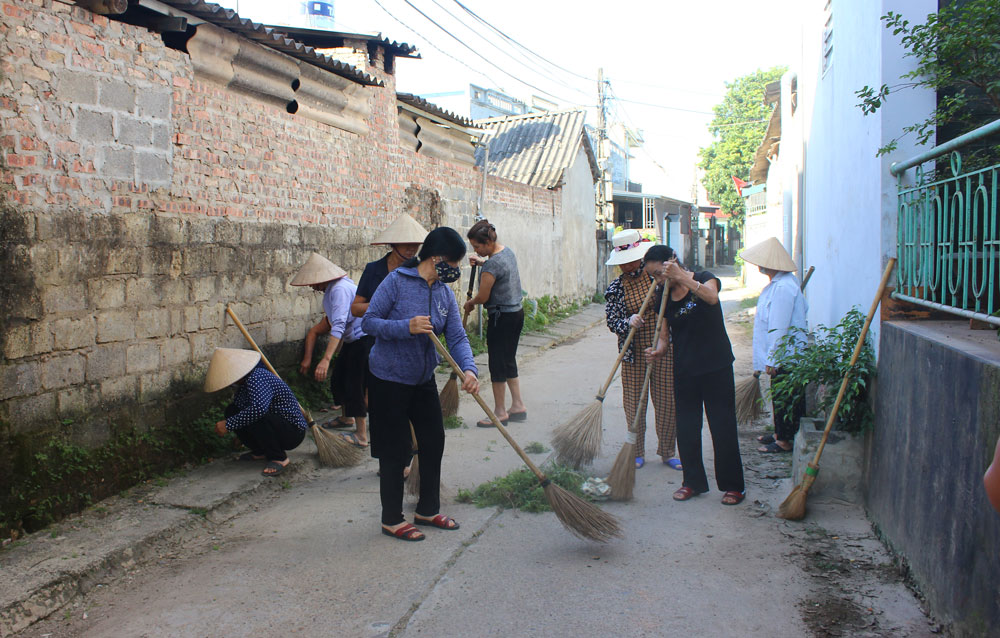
(740, 184)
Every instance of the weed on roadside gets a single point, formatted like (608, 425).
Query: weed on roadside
(536, 447)
(521, 490)
(454, 422)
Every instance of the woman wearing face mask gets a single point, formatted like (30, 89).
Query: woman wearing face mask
(500, 293)
(623, 301)
(411, 303)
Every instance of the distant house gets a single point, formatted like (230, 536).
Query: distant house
(550, 150)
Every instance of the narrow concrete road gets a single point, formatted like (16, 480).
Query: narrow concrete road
(310, 561)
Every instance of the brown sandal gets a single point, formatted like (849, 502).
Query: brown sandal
(733, 497)
(686, 493)
(405, 533)
(440, 521)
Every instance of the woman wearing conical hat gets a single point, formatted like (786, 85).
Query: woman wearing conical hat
(338, 290)
(264, 414)
(781, 308)
(403, 237)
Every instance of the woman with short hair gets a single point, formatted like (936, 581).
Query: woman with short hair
(500, 293)
(412, 303)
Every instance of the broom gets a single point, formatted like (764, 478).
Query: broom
(413, 480)
(583, 519)
(332, 449)
(449, 393)
(793, 508)
(578, 441)
(749, 401)
(622, 476)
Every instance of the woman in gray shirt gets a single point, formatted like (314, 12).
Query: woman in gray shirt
(500, 293)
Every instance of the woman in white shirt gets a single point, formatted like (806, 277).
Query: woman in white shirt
(781, 308)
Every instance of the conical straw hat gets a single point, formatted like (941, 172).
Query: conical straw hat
(316, 270)
(405, 230)
(228, 366)
(769, 254)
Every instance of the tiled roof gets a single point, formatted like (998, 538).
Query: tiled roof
(536, 148)
(420, 103)
(231, 21)
(323, 39)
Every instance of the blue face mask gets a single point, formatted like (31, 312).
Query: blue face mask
(447, 273)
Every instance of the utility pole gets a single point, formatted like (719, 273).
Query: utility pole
(605, 210)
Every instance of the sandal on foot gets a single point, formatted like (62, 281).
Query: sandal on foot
(773, 448)
(440, 521)
(639, 462)
(765, 438)
(339, 423)
(405, 533)
(517, 416)
(674, 463)
(733, 497)
(352, 438)
(686, 493)
(273, 468)
(488, 423)
(249, 456)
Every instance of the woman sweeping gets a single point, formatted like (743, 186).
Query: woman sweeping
(781, 308)
(623, 300)
(322, 275)
(500, 293)
(411, 303)
(264, 414)
(703, 375)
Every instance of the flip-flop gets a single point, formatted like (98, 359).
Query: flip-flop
(765, 438)
(406, 533)
(773, 448)
(639, 462)
(277, 468)
(488, 423)
(440, 521)
(352, 438)
(674, 463)
(339, 423)
(518, 416)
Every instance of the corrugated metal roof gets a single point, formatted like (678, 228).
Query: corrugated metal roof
(323, 39)
(231, 21)
(536, 148)
(420, 103)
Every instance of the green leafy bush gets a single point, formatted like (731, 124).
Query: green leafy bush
(823, 361)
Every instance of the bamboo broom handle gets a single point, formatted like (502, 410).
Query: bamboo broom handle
(649, 364)
(468, 294)
(854, 358)
(496, 422)
(628, 341)
(263, 357)
(805, 279)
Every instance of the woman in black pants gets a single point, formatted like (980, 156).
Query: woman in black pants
(703, 375)
(500, 292)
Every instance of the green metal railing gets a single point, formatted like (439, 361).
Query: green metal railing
(948, 241)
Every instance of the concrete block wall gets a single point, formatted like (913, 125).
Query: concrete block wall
(138, 200)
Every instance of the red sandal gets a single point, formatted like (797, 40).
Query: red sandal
(733, 497)
(405, 533)
(440, 521)
(686, 493)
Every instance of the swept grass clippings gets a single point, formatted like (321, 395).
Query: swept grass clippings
(521, 490)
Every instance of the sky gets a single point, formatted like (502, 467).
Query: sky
(667, 61)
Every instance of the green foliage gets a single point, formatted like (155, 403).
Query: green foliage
(738, 127)
(454, 422)
(957, 53)
(521, 490)
(541, 312)
(824, 361)
(536, 447)
(598, 298)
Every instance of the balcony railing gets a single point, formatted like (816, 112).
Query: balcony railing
(948, 241)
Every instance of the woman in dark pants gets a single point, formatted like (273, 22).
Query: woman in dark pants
(703, 375)
(413, 302)
(500, 293)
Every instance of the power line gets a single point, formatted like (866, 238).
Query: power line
(432, 45)
(481, 56)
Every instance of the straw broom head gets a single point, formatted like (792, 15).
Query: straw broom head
(583, 519)
(413, 480)
(578, 441)
(622, 476)
(333, 450)
(793, 508)
(748, 400)
(449, 397)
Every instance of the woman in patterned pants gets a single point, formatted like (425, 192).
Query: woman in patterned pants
(624, 298)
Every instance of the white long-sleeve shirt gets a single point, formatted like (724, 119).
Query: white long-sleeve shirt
(781, 306)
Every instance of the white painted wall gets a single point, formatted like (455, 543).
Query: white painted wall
(578, 250)
(848, 200)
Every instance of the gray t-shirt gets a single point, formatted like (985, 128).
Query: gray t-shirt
(505, 296)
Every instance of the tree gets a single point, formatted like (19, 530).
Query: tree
(958, 56)
(738, 127)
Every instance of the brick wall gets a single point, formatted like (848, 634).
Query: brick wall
(139, 200)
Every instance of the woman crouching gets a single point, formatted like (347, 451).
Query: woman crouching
(412, 303)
